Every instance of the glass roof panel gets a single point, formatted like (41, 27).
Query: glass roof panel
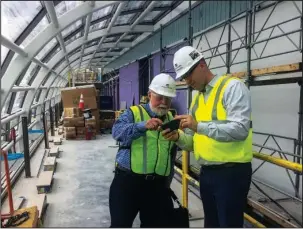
(66, 6)
(38, 28)
(125, 19)
(102, 50)
(16, 15)
(70, 40)
(110, 39)
(46, 48)
(4, 52)
(92, 43)
(18, 101)
(152, 15)
(75, 51)
(6, 104)
(101, 13)
(128, 37)
(52, 54)
(132, 5)
(163, 3)
(98, 25)
(28, 75)
(71, 28)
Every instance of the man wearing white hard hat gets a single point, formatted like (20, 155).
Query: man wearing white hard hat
(218, 130)
(144, 162)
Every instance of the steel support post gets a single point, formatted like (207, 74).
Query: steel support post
(45, 132)
(228, 45)
(248, 35)
(300, 136)
(190, 42)
(27, 166)
(56, 115)
(161, 50)
(51, 116)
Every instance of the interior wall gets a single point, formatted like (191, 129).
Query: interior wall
(129, 84)
(180, 101)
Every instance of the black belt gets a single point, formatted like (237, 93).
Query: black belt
(121, 170)
(218, 166)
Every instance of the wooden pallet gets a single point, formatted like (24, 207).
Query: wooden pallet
(275, 216)
(54, 152)
(274, 70)
(45, 181)
(50, 164)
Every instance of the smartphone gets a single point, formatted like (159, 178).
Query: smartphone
(172, 125)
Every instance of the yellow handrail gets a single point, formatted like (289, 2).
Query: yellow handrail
(278, 161)
(186, 178)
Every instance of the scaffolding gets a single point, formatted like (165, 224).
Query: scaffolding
(291, 161)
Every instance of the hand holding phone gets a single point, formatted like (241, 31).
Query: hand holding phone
(171, 125)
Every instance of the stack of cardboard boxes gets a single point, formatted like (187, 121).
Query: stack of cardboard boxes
(74, 122)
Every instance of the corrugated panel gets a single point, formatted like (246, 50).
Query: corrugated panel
(204, 15)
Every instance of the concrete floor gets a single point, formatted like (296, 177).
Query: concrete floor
(79, 196)
(80, 190)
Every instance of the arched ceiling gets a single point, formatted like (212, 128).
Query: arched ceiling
(43, 39)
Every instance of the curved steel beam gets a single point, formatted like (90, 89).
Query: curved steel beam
(37, 44)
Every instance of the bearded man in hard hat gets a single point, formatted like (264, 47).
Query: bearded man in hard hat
(144, 162)
(218, 130)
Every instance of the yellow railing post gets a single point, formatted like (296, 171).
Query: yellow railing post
(184, 179)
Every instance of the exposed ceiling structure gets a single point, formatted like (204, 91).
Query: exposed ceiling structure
(43, 41)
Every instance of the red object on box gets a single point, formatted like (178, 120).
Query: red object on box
(88, 133)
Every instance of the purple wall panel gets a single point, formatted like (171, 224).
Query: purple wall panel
(129, 83)
(117, 103)
(180, 101)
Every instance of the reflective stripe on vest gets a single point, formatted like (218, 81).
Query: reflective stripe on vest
(214, 111)
(151, 152)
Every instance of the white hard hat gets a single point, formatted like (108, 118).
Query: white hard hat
(163, 84)
(185, 59)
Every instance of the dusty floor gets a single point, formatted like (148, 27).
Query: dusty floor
(79, 196)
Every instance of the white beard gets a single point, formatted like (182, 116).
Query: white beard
(159, 111)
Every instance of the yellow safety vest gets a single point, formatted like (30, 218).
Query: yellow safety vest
(213, 111)
(151, 152)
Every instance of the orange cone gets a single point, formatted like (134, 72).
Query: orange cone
(81, 103)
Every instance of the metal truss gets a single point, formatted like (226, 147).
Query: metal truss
(24, 56)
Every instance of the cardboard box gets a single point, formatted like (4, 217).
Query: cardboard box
(71, 96)
(70, 129)
(70, 135)
(73, 122)
(95, 112)
(72, 112)
(80, 131)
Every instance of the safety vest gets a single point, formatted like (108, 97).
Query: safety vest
(151, 152)
(214, 111)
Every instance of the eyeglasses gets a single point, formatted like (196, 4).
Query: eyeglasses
(188, 74)
(161, 97)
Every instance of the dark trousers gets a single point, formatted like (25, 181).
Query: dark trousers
(224, 193)
(130, 194)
